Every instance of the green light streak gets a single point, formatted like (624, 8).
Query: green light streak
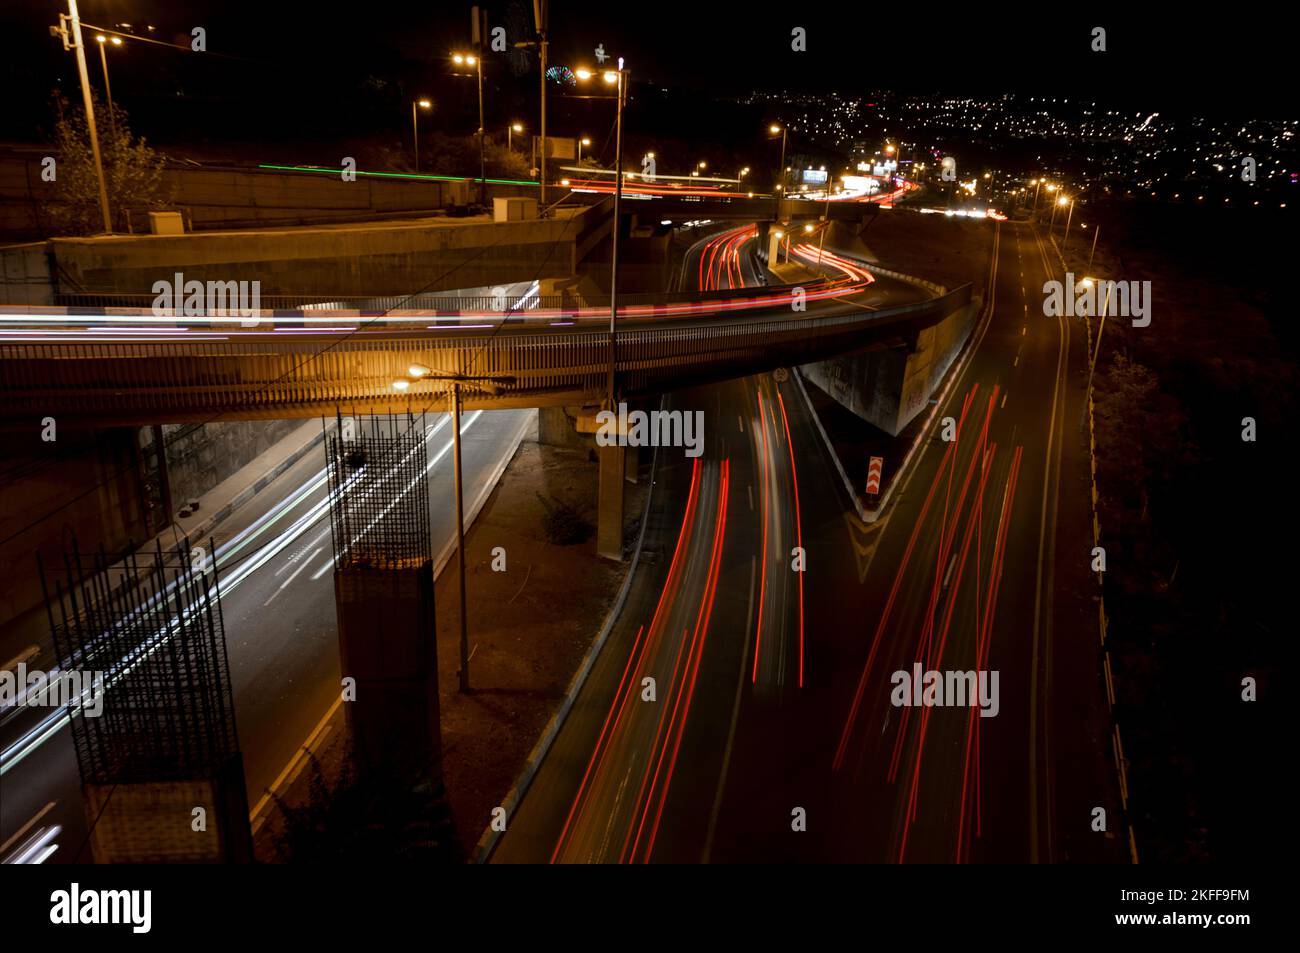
(396, 175)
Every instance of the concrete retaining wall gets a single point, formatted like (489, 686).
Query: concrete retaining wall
(371, 259)
(231, 197)
(25, 274)
(890, 388)
(198, 458)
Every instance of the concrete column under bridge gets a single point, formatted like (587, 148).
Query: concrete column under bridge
(575, 428)
(383, 596)
(386, 645)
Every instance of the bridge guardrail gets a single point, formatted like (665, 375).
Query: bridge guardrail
(308, 372)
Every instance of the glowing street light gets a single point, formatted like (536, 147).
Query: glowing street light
(619, 79)
(773, 130)
(103, 42)
(510, 130)
(468, 59)
(584, 141)
(415, 126)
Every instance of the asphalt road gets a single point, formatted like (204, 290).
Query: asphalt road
(275, 563)
(715, 617)
(771, 735)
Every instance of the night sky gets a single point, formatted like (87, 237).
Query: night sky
(279, 53)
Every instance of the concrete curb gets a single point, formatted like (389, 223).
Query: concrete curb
(488, 487)
(830, 447)
(488, 842)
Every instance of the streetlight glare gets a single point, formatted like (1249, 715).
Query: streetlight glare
(425, 104)
(519, 127)
(582, 73)
(611, 77)
(774, 130)
(587, 142)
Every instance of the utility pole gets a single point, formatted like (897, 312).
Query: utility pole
(1095, 233)
(79, 48)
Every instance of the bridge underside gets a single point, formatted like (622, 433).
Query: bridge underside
(248, 375)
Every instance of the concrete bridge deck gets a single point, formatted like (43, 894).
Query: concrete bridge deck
(546, 357)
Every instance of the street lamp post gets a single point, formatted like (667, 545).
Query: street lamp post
(774, 129)
(460, 536)
(469, 59)
(510, 129)
(584, 141)
(103, 42)
(1065, 238)
(1095, 232)
(415, 126)
(492, 384)
(1092, 364)
(1051, 224)
(619, 79)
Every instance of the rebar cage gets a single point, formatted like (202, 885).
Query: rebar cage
(379, 492)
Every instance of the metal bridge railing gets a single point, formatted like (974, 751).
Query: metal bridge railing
(309, 372)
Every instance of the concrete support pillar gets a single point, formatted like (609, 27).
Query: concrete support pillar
(151, 822)
(386, 645)
(609, 518)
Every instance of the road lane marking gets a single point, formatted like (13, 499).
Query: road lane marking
(735, 714)
(284, 585)
(315, 736)
(1061, 356)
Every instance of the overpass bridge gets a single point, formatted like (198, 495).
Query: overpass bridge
(717, 205)
(134, 368)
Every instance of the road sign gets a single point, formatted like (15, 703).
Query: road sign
(873, 475)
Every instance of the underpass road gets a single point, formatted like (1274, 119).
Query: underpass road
(278, 606)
